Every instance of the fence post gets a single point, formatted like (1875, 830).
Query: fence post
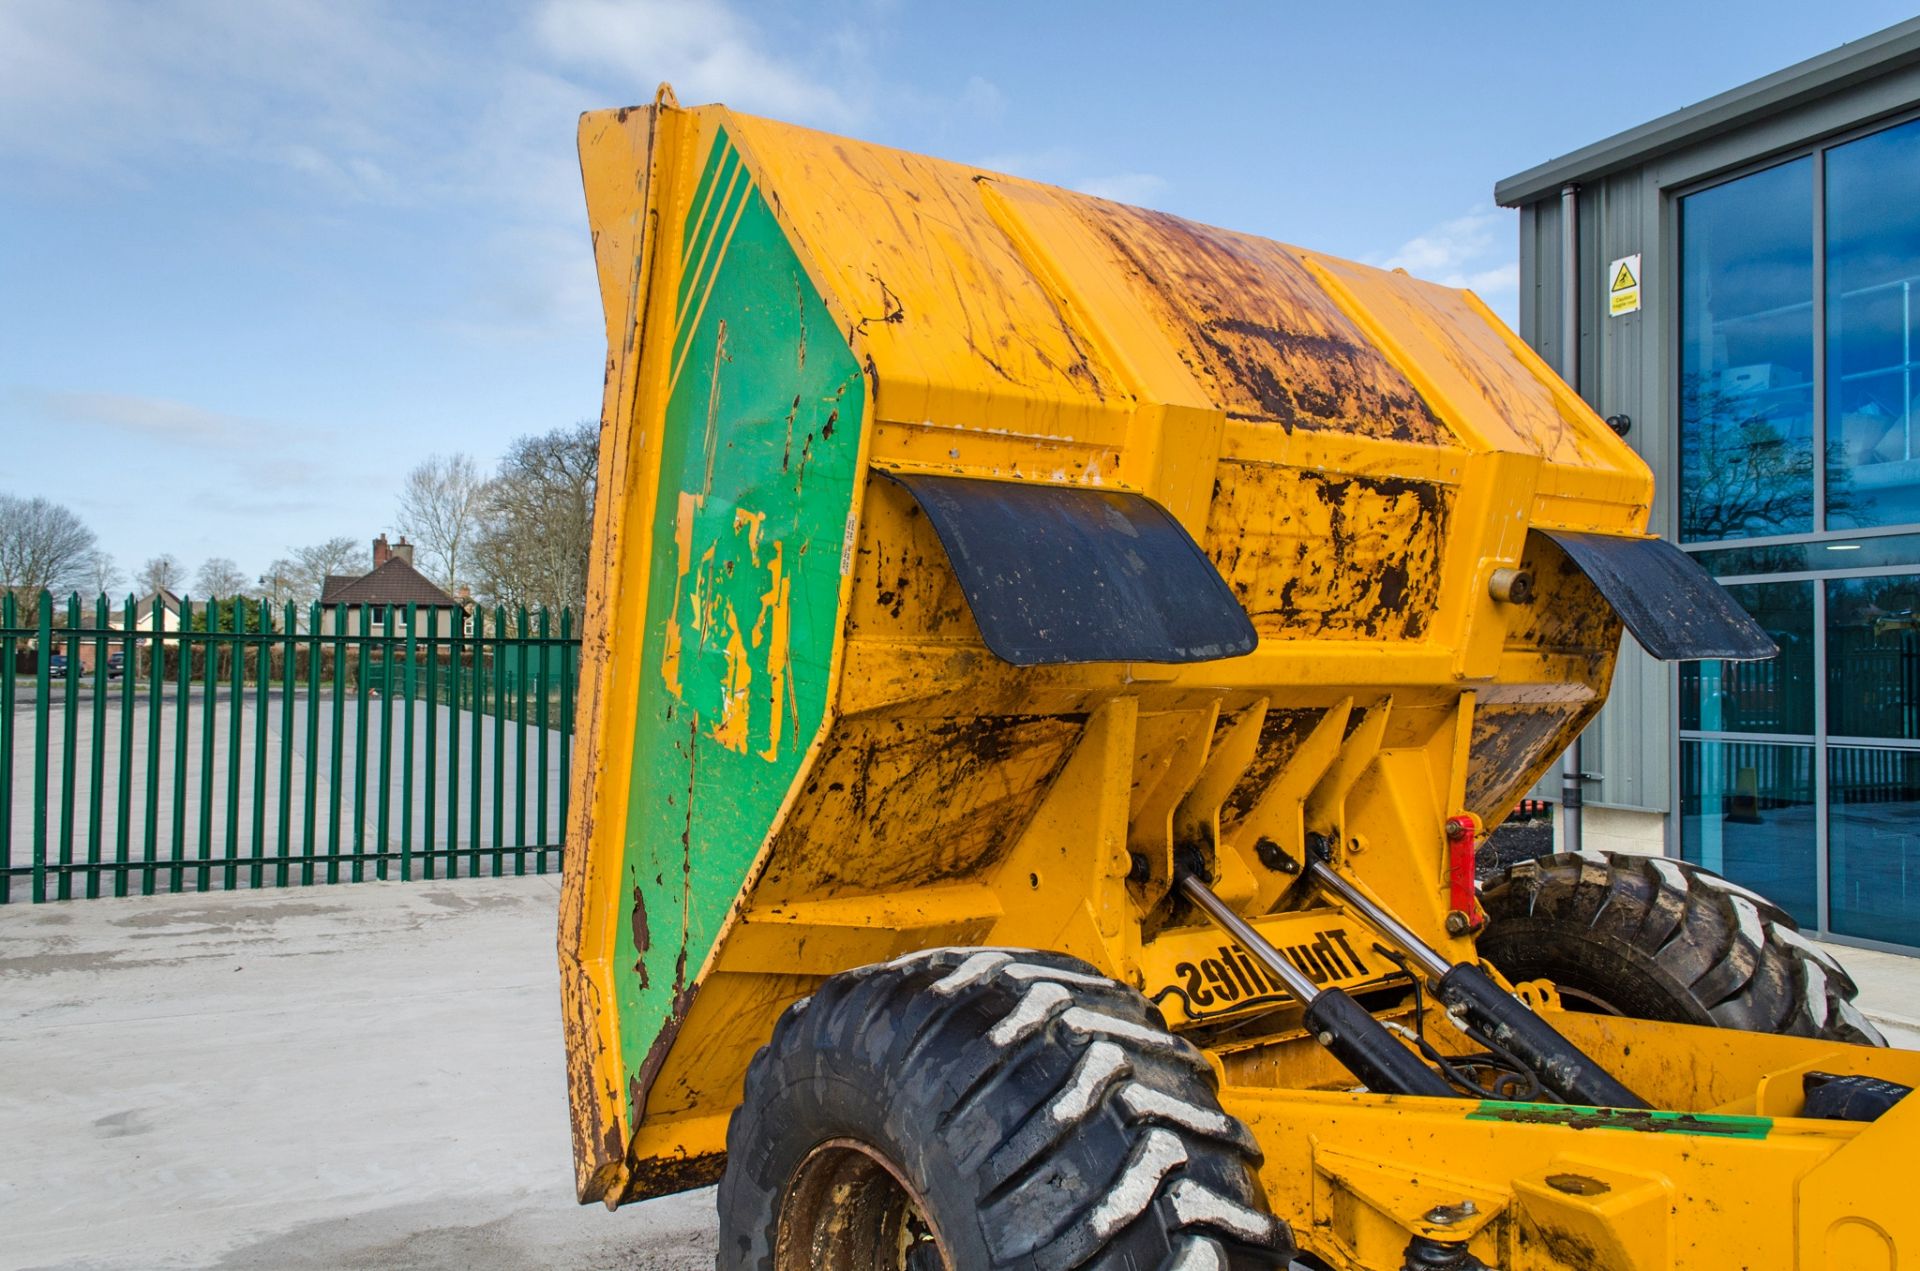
(182, 702)
(262, 645)
(406, 730)
(384, 800)
(545, 652)
(209, 709)
(207, 640)
(129, 672)
(569, 671)
(360, 640)
(477, 683)
(433, 737)
(156, 673)
(42, 717)
(236, 721)
(456, 653)
(69, 744)
(337, 749)
(9, 667)
(95, 800)
(288, 644)
(310, 827)
(520, 743)
(499, 740)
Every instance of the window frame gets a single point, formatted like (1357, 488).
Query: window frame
(1671, 295)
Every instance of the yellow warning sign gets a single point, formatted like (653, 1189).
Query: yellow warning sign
(1623, 286)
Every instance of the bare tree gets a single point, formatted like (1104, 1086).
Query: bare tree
(219, 578)
(315, 563)
(439, 510)
(282, 582)
(103, 575)
(43, 546)
(536, 520)
(161, 573)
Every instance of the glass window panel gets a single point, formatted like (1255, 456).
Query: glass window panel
(1873, 260)
(1775, 696)
(1774, 558)
(1873, 824)
(1873, 657)
(1746, 326)
(1746, 811)
(1787, 558)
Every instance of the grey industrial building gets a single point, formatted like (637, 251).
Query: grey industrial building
(1744, 280)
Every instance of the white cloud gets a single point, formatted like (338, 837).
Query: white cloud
(265, 454)
(1064, 166)
(149, 417)
(92, 85)
(981, 96)
(706, 49)
(1124, 187)
(1477, 251)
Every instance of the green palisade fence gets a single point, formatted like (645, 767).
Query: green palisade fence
(249, 745)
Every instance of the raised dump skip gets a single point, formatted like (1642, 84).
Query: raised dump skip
(1280, 567)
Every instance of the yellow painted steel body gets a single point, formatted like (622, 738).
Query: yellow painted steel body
(1358, 453)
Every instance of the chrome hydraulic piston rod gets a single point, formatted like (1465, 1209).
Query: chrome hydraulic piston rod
(1488, 1010)
(1347, 1029)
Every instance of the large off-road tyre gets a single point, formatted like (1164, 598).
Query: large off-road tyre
(1660, 939)
(968, 1109)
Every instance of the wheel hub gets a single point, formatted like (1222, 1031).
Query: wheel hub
(849, 1208)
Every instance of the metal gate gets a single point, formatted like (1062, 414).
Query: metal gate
(239, 744)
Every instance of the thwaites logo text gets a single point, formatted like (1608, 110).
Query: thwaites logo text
(1232, 978)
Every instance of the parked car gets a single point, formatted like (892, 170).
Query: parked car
(116, 664)
(57, 666)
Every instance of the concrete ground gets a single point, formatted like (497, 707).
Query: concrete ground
(362, 1076)
(356, 1076)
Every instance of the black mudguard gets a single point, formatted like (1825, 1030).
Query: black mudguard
(1672, 607)
(1060, 574)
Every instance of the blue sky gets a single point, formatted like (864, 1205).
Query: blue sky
(259, 257)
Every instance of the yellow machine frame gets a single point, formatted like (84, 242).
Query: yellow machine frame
(1368, 461)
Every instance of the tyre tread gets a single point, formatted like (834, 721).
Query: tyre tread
(1721, 954)
(984, 1048)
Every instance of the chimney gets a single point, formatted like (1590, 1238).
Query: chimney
(381, 551)
(404, 550)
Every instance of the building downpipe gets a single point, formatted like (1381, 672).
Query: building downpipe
(1571, 776)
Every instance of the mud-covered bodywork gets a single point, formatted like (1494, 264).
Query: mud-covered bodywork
(799, 752)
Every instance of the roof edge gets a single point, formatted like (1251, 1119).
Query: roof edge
(1866, 58)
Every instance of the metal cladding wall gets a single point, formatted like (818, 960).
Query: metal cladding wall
(1628, 202)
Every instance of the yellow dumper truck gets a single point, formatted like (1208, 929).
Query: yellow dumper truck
(1049, 667)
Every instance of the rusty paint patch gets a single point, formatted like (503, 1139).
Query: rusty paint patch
(1567, 614)
(893, 802)
(1511, 747)
(664, 1175)
(1258, 331)
(1280, 735)
(1310, 555)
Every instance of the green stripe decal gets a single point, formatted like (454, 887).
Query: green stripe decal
(1577, 1118)
(758, 468)
(717, 185)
